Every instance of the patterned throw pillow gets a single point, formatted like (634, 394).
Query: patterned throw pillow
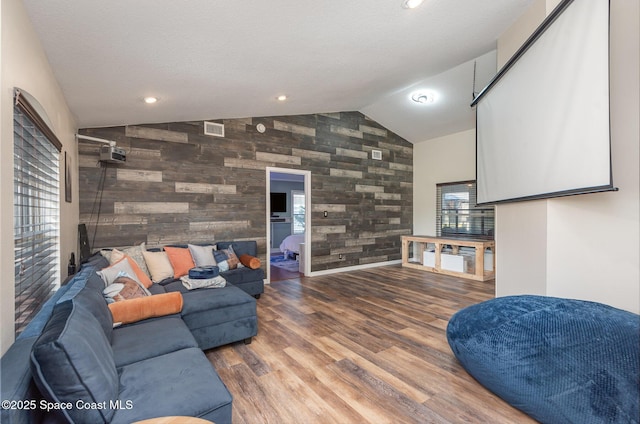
(226, 259)
(135, 253)
(123, 288)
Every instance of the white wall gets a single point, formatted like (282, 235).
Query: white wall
(521, 248)
(439, 160)
(584, 247)
(24, 65)
(513, 37)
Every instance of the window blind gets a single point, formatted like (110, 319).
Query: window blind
(36, 212)
(457, 213)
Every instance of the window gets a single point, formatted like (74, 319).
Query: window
(36, 211)
(298, 202)
(457, 214)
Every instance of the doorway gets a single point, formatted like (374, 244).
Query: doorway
(288, 210)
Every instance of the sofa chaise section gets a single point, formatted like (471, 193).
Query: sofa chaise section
(73, 364)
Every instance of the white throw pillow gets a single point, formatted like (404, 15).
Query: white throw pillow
(202, 255)
(159, 265)
(110, 273)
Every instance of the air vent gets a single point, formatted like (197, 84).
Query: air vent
(214, 129)
(376, 154)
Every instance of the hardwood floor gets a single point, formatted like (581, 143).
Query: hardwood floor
(279, 274)
(359, 347)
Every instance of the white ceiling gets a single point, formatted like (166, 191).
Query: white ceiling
(208, 59)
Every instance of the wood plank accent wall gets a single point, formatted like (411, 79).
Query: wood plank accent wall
(179, 185)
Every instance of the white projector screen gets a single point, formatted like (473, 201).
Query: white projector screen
(542, 126)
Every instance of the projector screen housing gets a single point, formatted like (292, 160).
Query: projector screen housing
(542, 127)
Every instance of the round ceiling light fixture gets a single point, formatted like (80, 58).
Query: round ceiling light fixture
(411, 4)
(282, 97)
(423, 97)
(150, 100)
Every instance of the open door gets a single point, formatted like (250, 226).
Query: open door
(288, 211)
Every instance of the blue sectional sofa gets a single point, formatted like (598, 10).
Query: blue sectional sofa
(71, 365)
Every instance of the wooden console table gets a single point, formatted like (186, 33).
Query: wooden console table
(422, 242)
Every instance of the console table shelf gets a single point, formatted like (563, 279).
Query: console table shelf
(479, 272)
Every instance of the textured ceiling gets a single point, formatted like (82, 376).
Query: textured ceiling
(230, 59)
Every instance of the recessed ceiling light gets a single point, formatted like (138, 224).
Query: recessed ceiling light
(423, 97)
(150, 100)
(411, 4)
(282, 97)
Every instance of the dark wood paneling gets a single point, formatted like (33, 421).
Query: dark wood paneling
(215, 183)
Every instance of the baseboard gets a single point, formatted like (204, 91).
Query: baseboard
(353, 268)
(348, 268)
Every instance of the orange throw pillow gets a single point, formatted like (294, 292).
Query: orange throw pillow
(158, 305)
(142, 276)
(250, 261)
(181, 260)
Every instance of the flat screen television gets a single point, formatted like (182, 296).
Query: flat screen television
(278, 202)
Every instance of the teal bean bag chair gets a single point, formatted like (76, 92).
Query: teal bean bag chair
(557, 360)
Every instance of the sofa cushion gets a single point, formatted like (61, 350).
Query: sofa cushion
(16, 383)
(156, 289)
(210, 307)
(243, 275)
(218, 316)
(95, 281)
(558, 360)
(79, 282)
(248, 247)
(140, 341)
(95, 304)
(175, 286)
(72, 361)
(86, 290)
(177, 383)
(97, 260)
(37, 324)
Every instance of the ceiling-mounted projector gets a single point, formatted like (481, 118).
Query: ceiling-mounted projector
(109, 153)
(112, 154)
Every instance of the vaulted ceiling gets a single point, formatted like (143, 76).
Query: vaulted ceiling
(207, 59)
